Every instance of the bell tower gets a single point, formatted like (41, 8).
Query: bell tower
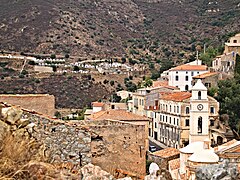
(199, 116)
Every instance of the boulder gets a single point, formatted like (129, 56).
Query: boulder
(11, 114)
(90, 172)
(3, 129)
(21, 123)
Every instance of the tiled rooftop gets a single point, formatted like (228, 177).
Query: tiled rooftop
(176, 96)
(187, 67)
(97, 104)
(121, 115)
(204, 75)
(174, 164)
(168, 152)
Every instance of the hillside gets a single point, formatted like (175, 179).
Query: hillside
(69, 92)
(105, 28)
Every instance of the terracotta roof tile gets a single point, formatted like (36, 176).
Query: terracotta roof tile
(168, 152)
(176, 96)
(97, 104)
(174, 164)
(160, 83)
(204, 75)
(121, 115)
(187, 67)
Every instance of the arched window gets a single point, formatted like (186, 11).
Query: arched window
(199, 95)
(187, 110)
(186, 88)
(200, 124)
(170, 108)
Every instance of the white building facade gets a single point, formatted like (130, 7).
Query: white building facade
(181, 76)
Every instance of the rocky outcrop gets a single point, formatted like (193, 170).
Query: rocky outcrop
(224, 171)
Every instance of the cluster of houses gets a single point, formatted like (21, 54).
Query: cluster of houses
(182, 116)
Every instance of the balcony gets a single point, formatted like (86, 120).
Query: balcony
(152, 108)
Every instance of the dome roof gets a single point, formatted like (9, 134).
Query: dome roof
(204, 156)
(199, 86)
(192, 147)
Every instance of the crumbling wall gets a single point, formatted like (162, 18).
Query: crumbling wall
(42, 103)
(223, 171)
(62, 142)
(119, 146)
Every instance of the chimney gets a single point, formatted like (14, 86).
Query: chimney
(206, 144)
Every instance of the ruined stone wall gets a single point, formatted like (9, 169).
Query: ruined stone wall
(63, 143)
(42, 103)
(162, 162)
(119, 146)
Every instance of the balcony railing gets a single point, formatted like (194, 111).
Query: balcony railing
(151, 108)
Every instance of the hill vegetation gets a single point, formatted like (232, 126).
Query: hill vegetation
(144, 30)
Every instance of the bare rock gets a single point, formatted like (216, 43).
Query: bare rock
(3, 129)
(90, 172)
(11, 114)
(22, 123)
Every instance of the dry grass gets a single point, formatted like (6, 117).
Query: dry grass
(15, 154)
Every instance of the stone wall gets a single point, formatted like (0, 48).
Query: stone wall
(63, 143)
(42, 103)
(118, 145)
(112, 145)
(161, 162)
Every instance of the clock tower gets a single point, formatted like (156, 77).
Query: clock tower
(199, 116)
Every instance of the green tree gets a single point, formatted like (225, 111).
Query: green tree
(53, 56)
(76, 68)
(166, 64)
(229, 98)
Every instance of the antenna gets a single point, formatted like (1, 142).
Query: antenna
(153, 168)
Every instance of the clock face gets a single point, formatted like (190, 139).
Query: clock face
(200, 107)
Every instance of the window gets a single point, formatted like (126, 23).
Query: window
(177, 122)
(186, 78)
(155, 115)
(155, 125)
(187, 110)
(211, 122)
(163, 118)
(186, 88)
(192, 73)
(187, 122)
(176, 78)
(166, 107)
(200, 124)
(235, 41)
(170, 108)
(177, 109)
(166, 118)
(160, 117)
(212, 110)
(199, 95)
(186, 72)
(174, 108)
(170, 119)
(197, 72)
(174, 121)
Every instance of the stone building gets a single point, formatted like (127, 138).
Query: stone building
(233, 44)
(226, 62)
(209, 79)
(123, 116)
(113, 145)
(43, 103)
(162, 157)
(147, 99)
